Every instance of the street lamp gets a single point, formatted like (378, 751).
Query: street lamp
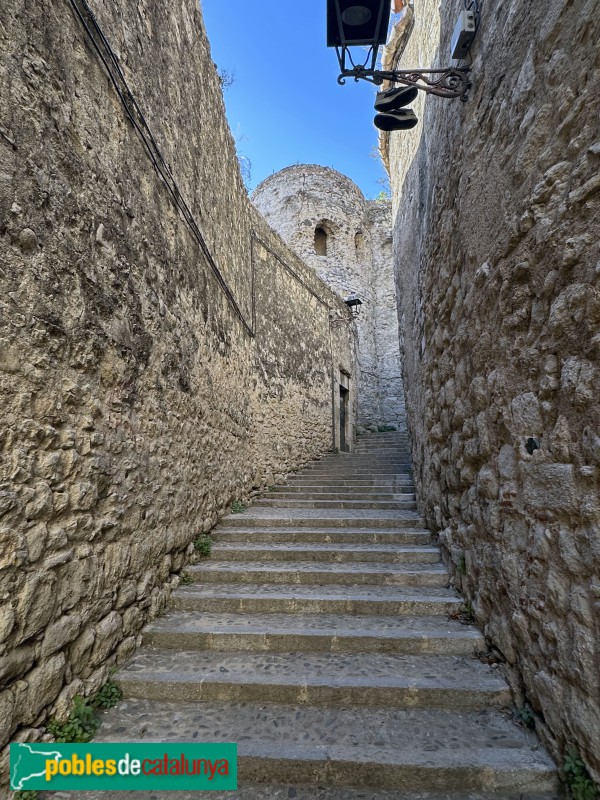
(354, 303)
(365, 23)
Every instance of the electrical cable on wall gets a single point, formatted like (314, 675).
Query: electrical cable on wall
(111, 64)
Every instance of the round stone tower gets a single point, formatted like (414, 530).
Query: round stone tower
(324, 217)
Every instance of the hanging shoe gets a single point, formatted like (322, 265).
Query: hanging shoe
(402, 120)
(393, 99)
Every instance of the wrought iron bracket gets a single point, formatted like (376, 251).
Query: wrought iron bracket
(445, 82)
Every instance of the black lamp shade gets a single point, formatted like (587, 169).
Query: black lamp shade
(357, 22)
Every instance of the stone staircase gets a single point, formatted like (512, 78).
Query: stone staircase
(317, 637)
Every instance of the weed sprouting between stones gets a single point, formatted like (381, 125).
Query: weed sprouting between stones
(237, 507)
(185, 578)
(526, 717)
(83, 721)
(579, 781)
(203, 545)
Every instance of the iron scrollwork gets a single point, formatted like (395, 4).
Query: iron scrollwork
(447, 82)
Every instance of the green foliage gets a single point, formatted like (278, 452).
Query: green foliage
(26, 795)
(81, 725)
(203, 545)
(83, 721)
(271, 488)
(386, 429)
(108, 696)
(578, 778)
(186, 578)
(237, 507)
(383, 196)
(462, 566)
(527, 717)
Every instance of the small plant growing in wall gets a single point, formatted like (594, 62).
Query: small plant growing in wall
(203, 545)
(237, 507)
(83, 721)
(81, 726)
(108, 696)
(26, 795)
(581, 786)
(185, 578)
(526, 717)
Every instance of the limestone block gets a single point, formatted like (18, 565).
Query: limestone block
(7, 703)
(15, 664)
(39, 502)
(550, 487)
(580, 380)
(38, 689)
(80, 650)
(7, 620)
(526, 416)
(125, 650)
(36, 604)
(61, 632)
(107, 634)
(63, 704)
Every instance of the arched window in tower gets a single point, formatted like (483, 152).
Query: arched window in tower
(320, 241)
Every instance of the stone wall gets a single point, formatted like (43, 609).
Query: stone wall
(298, 200)
(136, 403)
(496, 229)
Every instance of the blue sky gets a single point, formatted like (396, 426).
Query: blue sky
(285, 105)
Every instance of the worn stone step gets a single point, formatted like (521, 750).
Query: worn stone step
(350, 471)
(322, 518)
(396, 749)
(324, 535)
(299, 493)
(327, 572)
(338, 633)
(316, 488)
(338, 553)
(397, 458)
(272, 598)
(344, 504)
(303, 792)
(373, 679)
(385, 482)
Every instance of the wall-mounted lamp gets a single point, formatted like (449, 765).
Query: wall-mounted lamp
(365, 23)
(354, 303)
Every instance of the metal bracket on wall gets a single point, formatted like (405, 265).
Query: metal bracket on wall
(444, 82)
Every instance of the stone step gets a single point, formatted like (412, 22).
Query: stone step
(297, 572)
(372, 679)
(381, 748)
(337, 553)
(300, 493)
(322, 518)
(337, 633)
(316, 488)
(396, 458)
(269, 598)
(349, 471)
(385, 481)
(324, 535)
(343, 504)
(303, 792)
